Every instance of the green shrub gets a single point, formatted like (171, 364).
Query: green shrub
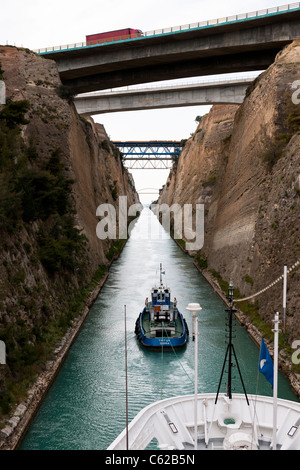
(41, 195)
(14, 113)
(289, 118)
(10, 205)
(62, 247)
(65, 93)
(202, 263)
(115, 249)
(249, 279)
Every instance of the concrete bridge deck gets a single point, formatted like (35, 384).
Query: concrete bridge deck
(222, 92)
(245, 44)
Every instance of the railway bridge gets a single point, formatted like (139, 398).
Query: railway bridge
(154, 154)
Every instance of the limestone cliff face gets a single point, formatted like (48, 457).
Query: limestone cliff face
(243, 163)
(55, 170)
(53, 123)
(99, 178)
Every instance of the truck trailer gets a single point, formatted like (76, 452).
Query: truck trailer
(117, 35)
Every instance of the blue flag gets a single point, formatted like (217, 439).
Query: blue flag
(265, 365)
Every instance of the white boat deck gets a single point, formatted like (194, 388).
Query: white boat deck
(227, 425)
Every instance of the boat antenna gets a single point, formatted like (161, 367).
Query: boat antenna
(230, 350)
(126, 380)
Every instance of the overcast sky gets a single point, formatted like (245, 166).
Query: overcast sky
(35, 24)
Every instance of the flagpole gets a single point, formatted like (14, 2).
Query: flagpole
(194, 308)
(196, 387)
(275, 380)
(284, 295)
(126, 379)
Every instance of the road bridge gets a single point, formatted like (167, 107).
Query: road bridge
(149, 155)
(240, 43)
(145, 191)
(223, 92)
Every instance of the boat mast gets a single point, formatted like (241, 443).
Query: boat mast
(230, 351)
(161, 283)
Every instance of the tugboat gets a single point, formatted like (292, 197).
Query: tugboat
(160, 324)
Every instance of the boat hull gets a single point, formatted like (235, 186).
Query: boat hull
(157, 342)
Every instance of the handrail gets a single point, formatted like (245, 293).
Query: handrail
(177, 29)
(297, 263)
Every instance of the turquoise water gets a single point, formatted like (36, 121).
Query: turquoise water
(85, 407)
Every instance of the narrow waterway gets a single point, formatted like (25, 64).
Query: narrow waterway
(85, 407)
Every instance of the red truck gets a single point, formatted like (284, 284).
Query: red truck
(117, 35)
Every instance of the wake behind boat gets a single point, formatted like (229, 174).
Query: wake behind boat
(160, 324)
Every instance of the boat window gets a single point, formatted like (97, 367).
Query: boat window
(173, 428)
(292, 431)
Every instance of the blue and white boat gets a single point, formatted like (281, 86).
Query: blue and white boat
(160, 324)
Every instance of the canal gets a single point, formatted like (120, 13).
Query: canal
(85, 407)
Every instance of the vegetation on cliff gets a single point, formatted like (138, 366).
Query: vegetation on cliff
(53, 175)
(33, 190)
(288, 126)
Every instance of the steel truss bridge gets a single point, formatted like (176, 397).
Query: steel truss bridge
(159, 155)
